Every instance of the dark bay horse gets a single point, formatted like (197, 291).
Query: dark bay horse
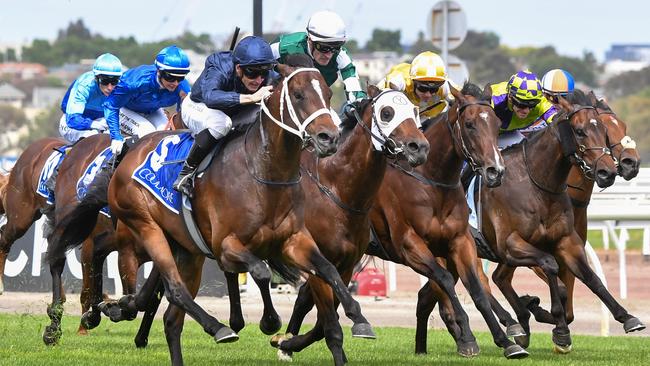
(342, 188)
(538, 229)
(580, 187)
(421, 214)
(248, 206)
(20, 202)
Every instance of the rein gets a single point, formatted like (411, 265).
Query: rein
(458, 140)
(587, 170)
(328, 192)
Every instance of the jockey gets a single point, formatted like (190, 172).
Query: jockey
(424, 81)
(557, 82)
(521, 107)
(229, 81)
(323, 41)
(136, 104)
(83, 114)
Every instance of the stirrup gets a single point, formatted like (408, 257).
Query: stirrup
(183, 184)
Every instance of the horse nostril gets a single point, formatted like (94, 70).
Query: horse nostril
(629, 163)
(325, 138)
(605, 174)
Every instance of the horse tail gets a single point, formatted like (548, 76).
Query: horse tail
(72, 229)
(290, 274)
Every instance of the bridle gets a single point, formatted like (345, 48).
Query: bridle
(458, 138)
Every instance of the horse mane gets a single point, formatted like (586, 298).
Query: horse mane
(578, 97)
(348, 121)
(475, 91)
(299, 60)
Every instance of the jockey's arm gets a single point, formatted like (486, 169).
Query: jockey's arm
(348, 73)
(119, 97)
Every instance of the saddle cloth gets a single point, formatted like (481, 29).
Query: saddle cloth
(89, 174)
(51, 165)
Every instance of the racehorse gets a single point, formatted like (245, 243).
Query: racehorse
(580, 187)
(20, 202)
(247, 205)
(342, 188)
(538, 229)
(421, 214)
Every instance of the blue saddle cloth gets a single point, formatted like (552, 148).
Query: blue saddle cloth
(161, 167)
(89, 175)
(51, 165)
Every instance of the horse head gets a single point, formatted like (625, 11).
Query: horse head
(623, 146)
(302, 98)
(392, 122)
(475, 129)
(585, 139)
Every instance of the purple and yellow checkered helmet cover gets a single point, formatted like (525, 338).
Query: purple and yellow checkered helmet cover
(524, 85)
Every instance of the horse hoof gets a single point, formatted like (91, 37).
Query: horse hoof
(270, 325)
(469, 349)
(515, 330)
(363, 330)
(562, 340)
(90, 319)
(562, 350)
(226, 335)
(523, 340)
(632, 325)
(285, 356)
(237, 324)
(279, 338)
(141, 343)
(51, 335)
(515, 351)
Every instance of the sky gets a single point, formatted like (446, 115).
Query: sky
(571, 26)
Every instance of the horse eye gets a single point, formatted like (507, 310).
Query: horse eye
(470, 125)
(581, 133)
(387, 114)
(298, 95)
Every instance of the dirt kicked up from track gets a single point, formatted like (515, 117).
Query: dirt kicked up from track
(399, 308)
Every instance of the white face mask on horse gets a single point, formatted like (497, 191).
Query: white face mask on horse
(389, 109)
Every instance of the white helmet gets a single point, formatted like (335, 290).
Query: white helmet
(326, 26)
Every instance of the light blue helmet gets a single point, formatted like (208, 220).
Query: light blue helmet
(107, 64)
(173, 60)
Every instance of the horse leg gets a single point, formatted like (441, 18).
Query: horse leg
(420, 259)
(148, 300)
(463, 261)
(502, 277)
(100, 247)
(84, 296)
(271, 321)
(152, 239)
(426, 302)
(522, 253)
(303, 305)
(52, 332)
(236, 321)
(190, 267)
(301, 250)
(326, 326)
(572, 253)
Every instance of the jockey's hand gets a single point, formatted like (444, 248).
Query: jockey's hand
(99, 125)
(116, 146)
(261, 93)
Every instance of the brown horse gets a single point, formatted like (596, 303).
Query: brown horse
(20, 202)
(259, 210)
(580, 187)
(539, 230)
(342, 188)
(421, 214)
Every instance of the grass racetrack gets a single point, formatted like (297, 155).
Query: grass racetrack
(112, 344)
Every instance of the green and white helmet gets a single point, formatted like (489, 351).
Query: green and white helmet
(326, 26)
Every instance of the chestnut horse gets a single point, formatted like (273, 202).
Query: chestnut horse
(538, 229)
(247, 205)
(422, 215)
(342, 188)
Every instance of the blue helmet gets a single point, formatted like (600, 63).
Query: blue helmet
(173, 60)
(253, 50)
(558, 82)
(107, 64)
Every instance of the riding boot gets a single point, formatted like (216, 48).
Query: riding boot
(203, 144)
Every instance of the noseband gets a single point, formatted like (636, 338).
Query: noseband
(588, 171)
(458, 140)
(626, 142)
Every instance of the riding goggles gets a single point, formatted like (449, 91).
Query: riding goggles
(171, 78)
(105, 80)
(328, 47)
(428, 87)
(253, 72)
(523, 104)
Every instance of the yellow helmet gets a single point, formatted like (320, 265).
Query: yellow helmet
(428, 66)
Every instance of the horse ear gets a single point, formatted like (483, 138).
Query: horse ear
(373, 91)
(284, 70)
(565, 105)
(487, 92)
(457, 95)
(593, 100)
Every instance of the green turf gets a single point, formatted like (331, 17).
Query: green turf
(112, 344)
(635, 242)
